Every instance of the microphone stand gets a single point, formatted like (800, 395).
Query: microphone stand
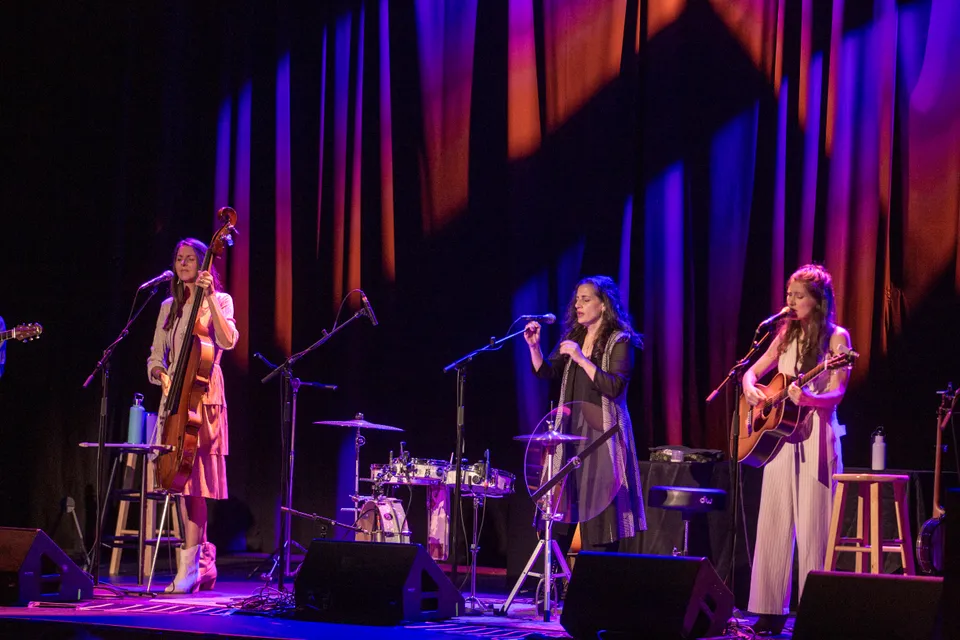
(461, 367)
(291, 386)
(103, 367)
(736, 375)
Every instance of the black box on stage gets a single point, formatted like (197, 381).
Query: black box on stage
(373, 583)
(34, 569)
(642, 596)
(852, 606)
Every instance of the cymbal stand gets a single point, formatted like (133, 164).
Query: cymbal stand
(549, 547)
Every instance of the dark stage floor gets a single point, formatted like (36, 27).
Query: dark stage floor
(241, 607)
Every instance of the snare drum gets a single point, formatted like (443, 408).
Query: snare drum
(383, 520)
(415, 471)
(477, 482)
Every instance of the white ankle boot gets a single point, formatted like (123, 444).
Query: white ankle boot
(188, 571)
(208, 566)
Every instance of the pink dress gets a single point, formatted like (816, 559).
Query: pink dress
(209, 477)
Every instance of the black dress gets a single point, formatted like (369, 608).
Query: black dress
(591, 488)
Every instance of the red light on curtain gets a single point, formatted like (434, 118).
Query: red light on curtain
(523, 114)
(283, 309)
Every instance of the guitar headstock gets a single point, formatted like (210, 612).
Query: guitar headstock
(845, 358)
(27, 332)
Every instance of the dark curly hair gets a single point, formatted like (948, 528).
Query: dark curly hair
(819, 283)
(614, 318)
(178, 290)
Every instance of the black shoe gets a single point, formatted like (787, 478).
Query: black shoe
(769, 624)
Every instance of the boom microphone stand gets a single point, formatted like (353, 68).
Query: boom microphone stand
(289, 424)
(103, 366)
(736, 375)
(291, 387)
(461, 367)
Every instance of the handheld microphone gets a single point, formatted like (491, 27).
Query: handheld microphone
(547, 318)
(166, 276)
(368, 309)
(786, 312)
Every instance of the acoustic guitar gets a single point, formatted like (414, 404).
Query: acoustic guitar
(930, 539)
(22, 332)
(764, 427)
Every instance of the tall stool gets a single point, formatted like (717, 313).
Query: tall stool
(689, 501)
(146, 539)
(869, 538)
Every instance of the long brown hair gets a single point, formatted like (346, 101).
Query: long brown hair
(819, 283)
(614, 317)
(178, 290)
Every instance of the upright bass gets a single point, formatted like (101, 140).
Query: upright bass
(181, 415)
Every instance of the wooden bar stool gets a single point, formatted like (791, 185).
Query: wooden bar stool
(869, 538)
(148, 501)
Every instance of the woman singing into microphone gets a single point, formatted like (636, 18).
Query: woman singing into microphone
(796, 500)
(594, 362)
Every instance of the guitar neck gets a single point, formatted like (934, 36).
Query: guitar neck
(937, 508)
(807, 378)
(7, 335)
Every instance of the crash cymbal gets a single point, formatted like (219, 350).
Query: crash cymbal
(358, 424)
(549, 437)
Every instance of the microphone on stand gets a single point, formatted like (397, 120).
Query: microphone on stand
(166, 276)
(786, 312)
(367, 309)
(547, 318)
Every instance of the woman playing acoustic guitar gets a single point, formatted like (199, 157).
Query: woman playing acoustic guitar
(196, 565)
(797, 495)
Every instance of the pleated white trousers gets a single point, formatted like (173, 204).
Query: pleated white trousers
(796, 503)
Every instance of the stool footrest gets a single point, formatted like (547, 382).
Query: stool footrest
(895, 548)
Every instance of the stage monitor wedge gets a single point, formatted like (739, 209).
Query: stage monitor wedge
(34, 569)
(853, 606)
(622, 595)
(373, 583)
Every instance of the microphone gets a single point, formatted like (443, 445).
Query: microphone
(547, 318)
(368, 309)
(786, 312)
(166, 276)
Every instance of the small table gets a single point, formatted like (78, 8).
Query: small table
(141, 450)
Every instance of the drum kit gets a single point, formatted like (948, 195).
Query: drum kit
(382, 518)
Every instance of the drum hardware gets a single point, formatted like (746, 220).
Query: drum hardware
(385, 520)
(547, 544)
(472, 603)
(357, 424)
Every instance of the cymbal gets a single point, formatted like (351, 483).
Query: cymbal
(358, 424)
(549, 437)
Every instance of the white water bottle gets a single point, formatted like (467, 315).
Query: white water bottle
(878, 453)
